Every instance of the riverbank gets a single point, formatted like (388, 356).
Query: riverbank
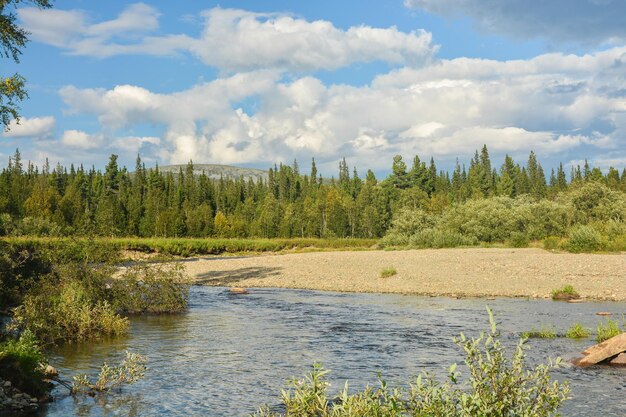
(461, 272)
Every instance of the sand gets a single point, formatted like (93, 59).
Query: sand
(468, 272)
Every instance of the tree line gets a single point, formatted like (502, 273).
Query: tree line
(149, 202)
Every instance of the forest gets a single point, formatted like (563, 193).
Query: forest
(70, 201)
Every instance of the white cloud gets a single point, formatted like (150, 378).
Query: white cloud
(584, 21)
(81, 140)
(34, 127)
(232, 39)
(553, 104)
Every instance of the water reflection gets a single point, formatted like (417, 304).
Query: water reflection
(230, 354)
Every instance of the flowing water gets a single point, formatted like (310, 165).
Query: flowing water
(229, 354)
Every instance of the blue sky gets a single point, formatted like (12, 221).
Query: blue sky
(254, 83)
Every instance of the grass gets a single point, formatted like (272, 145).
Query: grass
(193, 246)
(567, 292)
(388, 272)
(545, 332)
(607, 330)
(577, 331)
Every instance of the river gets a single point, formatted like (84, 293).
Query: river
(230, 354)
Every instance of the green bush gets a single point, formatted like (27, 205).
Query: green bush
(577, 331)
(70, 304)
(567, 292)
(153, 288)
(585, 239)
(21, 362)
(607, 330)
(388, 272)
(496, 386)
(544, 332)
(519, 240)
(552, 243)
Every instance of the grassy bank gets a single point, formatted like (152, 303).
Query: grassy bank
(102, 247)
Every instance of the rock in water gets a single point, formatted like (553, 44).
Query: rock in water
(619, 360)
(238, 290)
(603, 351)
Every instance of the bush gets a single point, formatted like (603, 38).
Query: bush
(545, 332)
(585, 239)
(577, 331)
(37, 226)
(519, 240)
(150, 289)
(21, 362)
(497, 386)
(131, 370)
(552, 243)
(567, 292)
(70, 304)
(388, 272)
(607, 330)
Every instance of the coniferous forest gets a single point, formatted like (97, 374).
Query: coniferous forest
(417, 204)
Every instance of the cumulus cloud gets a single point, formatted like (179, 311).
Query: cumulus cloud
(553, 104)
(584, 21)
(34, 127)
(232, 39)
(81, 140)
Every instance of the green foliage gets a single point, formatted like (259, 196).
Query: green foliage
(155, 288)
(518, 240)
(496, 387)
(577, 331)
(70, 304)
(585, 239)
(552, 243)
(388, 272)
(544, 332)
(131, 370)
(567, 292)
(607, 330)
(21, 362)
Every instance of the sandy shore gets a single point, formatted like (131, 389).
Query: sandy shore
(454, 272)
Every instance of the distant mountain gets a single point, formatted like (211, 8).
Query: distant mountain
(216, 171)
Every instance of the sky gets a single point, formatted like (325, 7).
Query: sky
(253, 83)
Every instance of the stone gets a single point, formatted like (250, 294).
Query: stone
(238, 290)
(7, 384)
(604, 313)
(603, 351)
(576, 300)
(50, 371)
(619, 360)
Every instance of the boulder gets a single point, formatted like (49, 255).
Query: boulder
(238, 290)
(603, 351)
(50, 371)
(619, 360)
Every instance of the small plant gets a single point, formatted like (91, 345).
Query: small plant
(388, 272)
(577, 331)
(497, 385)
(21, 362)
(607, 330)
(565, 293)
(519, 240)
(132, 369)
(552, 243)
(545, 332)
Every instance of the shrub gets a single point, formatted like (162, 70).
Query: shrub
(154, 288)
(496, 386)
(607, 330)
(577, 331)
(567, 292)
(70, 304)
(552, 243)
(519, 240)
(584, 239)
(131, 370)
(21, 362)
(545, 332)
(388, 272)
(37, 226)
